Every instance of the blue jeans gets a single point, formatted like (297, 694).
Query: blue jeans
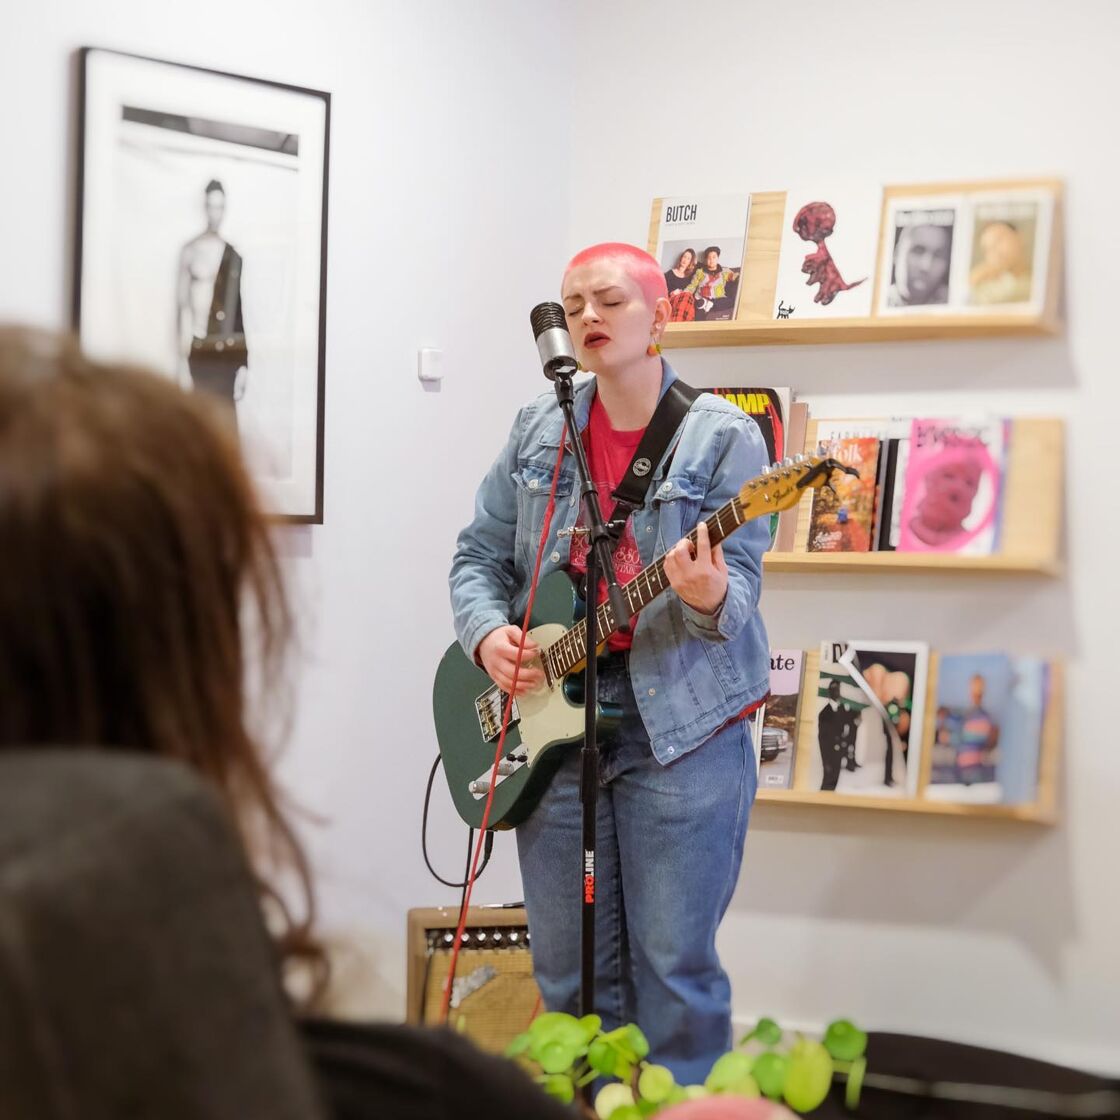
(670, 844)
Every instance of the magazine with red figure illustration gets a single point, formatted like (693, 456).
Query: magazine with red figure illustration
(954, 486)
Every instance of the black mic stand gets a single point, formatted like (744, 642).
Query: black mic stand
(598, 560)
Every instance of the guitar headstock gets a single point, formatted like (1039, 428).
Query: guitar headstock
(781, 485)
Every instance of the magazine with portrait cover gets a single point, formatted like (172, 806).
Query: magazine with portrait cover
(1009, 243)
(826, 264)
(776, 733)
(919, 271)
(869, 707)
(988, 728)
(954, 486)
(843, 514)
(701, 245)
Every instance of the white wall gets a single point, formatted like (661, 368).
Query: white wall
(449, 181)
(983, 931)
(994, 933)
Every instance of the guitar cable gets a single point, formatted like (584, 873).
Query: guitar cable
(507, 710)
(470, 839)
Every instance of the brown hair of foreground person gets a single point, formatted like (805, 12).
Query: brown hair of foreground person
(134, 553)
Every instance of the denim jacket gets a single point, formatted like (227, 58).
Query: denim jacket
(690, 672)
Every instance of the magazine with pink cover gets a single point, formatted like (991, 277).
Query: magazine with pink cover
(954, 486)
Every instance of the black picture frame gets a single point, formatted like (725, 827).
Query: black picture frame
(200, 250)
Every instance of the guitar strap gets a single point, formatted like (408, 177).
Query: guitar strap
(630, 493)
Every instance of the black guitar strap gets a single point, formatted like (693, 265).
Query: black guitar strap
(630, 493)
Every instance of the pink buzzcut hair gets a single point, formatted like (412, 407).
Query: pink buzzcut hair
(636, 263)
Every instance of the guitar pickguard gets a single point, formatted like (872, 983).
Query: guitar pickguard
(547, 718)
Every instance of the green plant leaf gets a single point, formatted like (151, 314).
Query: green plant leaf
(844, 1040)
(745, 1086)
(636, 1041)
(559, 1085)
(855, 1083)
(732, 1067)
(655, 1083)
(627, 1112)
(519, 1045)
(695, 1092)
(770, 1073)
(556, 1057)
(766, 1031)
(612, 1097)
(808, 1076)
(555, 1026)
(591, 1026)
(602, 1056)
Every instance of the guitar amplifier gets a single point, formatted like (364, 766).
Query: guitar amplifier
(494, 996)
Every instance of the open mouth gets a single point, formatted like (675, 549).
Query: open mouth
(595, 339)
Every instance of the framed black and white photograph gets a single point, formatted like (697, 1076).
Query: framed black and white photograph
(201, 250)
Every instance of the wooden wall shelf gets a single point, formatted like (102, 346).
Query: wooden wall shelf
(1043, 810)
(755, 324)
(1032, 814)
(923, 563)
(1030, 534)
(808, 332)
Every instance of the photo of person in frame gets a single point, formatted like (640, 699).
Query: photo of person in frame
(920, 263)
(209, 319)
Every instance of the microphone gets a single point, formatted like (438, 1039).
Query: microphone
(553, 341)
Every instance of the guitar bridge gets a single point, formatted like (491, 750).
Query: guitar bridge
(489, 707)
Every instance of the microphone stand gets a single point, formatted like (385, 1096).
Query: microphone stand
(598, 560)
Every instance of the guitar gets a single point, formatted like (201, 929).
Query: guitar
(468, 705)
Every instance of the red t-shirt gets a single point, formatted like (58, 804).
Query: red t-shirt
(609, 452)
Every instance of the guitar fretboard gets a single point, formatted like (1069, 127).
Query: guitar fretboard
(568, 651)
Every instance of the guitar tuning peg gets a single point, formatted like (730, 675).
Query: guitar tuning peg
(766, 470)
(798, 460)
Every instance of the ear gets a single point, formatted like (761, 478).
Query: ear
(661, 312)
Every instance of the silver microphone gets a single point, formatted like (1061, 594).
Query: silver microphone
(554, 344)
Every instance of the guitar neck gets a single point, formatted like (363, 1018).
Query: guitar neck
(563, 655)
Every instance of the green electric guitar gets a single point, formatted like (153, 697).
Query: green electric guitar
(469, 706)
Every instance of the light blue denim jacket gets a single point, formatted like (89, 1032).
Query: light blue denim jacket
(690, 672)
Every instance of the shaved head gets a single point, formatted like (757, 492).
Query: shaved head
(635, 262)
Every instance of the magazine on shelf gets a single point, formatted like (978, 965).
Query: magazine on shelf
(826, 263)
(843, 514)
(988, 728)
(1009, 242)
(787, 520)
(954, 486)
(769, 408)
(776, 731)
(870, 702)
(701, 246)
(922, 243)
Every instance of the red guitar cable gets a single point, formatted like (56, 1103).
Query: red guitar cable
(506, 712)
